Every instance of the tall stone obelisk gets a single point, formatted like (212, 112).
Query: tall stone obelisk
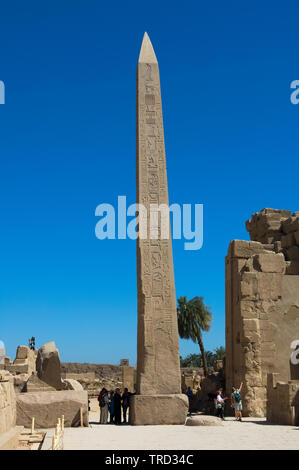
(159, 399)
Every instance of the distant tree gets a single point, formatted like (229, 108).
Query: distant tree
(194, 317)
(192, 360)
(219, 353)
(210, 358)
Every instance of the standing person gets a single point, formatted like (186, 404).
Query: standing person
(189, 394)
(125, 403)
(117, 406)
(237, 402)
(100, 396)
(111, 407)
(219, 404)
(104, 407)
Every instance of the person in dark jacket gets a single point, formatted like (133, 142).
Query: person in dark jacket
(117, 406)
(189, 394)
(111, 407)
(125, 403)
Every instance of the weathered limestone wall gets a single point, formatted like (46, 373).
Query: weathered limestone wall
(282, 401)
(24, 363)
(100, 371)
(262, 306)
(93, 377)
(7, 402)
(88, 376)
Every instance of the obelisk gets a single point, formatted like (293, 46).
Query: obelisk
(159, 399)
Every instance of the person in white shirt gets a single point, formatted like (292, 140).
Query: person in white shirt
(219, 404)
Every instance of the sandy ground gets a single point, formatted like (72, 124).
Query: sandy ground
(252, 433)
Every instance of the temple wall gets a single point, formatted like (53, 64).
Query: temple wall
(282, 401)
(262, 308)
(7, 402)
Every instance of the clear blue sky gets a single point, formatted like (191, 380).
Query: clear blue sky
(67, 144)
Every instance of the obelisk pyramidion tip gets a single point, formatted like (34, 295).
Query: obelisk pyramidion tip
(147, 54)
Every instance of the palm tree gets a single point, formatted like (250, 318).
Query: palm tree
(193, 318)
(219, 353)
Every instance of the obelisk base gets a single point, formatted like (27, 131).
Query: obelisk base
(158, 409)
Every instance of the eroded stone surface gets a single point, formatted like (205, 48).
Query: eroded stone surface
(282, 401)
(203, 420)
(24, 363)
(7, 402)
(47, 407)
(158, 409)
(262, 306)
(48, 366)
(71, 384)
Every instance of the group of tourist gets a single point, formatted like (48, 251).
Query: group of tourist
(111, 403)
(236, 402)
(219, 401)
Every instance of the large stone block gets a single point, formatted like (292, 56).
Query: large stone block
(47, 407)
(34, 384)
(71, 384)
(265, 226)
(245, 249)
(22, 352)
(269, 286)
(288, 240)
(48, 366)
(251, 325)
(158, 409)
(270, 262)
(290, 225)
(261, 286)
(204, 420)
(7, 402)
(249, 285)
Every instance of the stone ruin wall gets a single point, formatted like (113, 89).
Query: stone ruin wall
(282, 401)
(262, 306)
(7, 402)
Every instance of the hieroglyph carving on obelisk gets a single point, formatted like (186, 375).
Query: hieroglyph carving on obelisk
(158, 368)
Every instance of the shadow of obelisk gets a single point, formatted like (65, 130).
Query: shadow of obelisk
(159, 399)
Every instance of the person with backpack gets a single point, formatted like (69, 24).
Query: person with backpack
(237, 402)
(103, 401)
